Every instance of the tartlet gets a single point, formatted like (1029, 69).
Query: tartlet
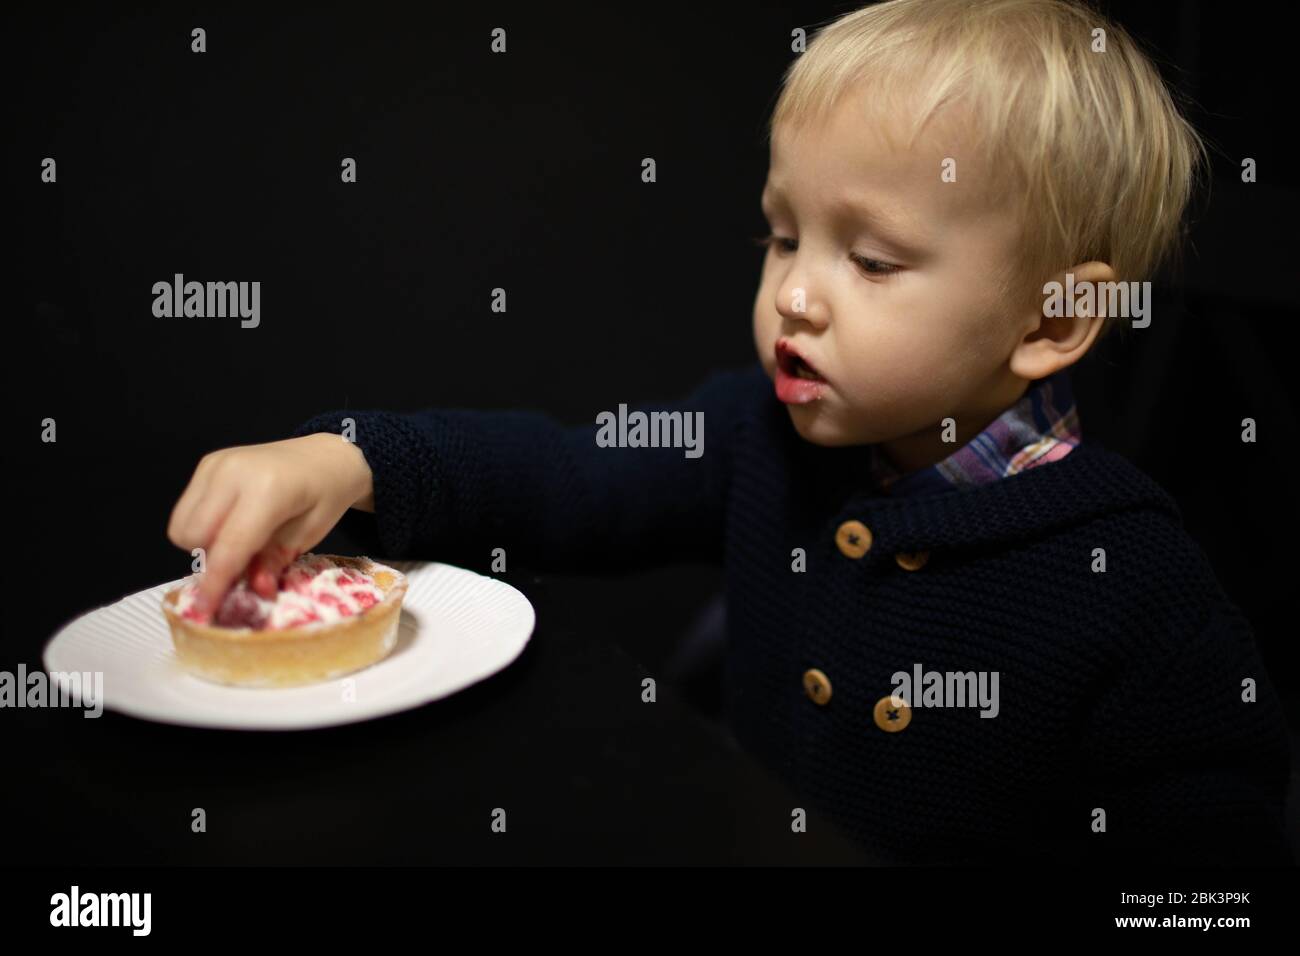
(291, 648)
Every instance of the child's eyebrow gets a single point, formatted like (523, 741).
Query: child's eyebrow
(890, 229)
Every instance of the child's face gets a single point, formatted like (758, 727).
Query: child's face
(898, 352)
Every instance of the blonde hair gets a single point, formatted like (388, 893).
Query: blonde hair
(1088, 146)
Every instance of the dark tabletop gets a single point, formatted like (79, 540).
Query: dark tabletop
(586, 771)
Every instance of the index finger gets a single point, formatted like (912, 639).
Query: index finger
(248, 527)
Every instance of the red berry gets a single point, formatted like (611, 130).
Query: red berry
(240, 609)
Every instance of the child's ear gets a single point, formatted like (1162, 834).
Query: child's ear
(1069, 317)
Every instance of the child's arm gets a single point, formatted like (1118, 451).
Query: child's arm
(1186, 769)
(458, 483)
(256, 507)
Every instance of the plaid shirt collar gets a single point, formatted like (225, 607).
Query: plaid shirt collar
(1042, 426)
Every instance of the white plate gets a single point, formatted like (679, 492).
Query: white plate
(457, 628)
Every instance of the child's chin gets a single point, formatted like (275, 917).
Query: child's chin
(815, 426)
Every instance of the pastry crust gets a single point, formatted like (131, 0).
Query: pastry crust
(306, 654)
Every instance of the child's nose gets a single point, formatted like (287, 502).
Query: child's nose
(796, 301)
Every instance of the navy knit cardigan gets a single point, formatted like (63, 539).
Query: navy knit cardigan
(1124, 729)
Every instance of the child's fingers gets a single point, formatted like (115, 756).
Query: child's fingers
(292, 538)
(264, 570)
(203, 524)
(180, 526)
(243, 533)
(262, 579)
(195, 491)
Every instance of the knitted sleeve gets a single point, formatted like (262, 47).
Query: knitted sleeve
(457, 483)
(1187, 753)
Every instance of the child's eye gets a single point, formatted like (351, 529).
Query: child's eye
(873, 267)
(770, 240)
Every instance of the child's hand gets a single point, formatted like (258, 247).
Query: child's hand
(260, 506)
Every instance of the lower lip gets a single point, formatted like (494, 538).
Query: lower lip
(797, 391)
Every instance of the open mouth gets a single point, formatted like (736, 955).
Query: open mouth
(795, 365)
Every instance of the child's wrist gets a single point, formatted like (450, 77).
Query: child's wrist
(355, 468)
(363, 497)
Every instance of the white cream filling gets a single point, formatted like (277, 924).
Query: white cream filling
(289, 608)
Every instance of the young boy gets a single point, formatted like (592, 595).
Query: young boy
(955, 627)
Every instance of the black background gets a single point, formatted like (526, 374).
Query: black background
(519, 171)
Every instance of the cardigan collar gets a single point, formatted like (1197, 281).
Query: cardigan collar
(1090, 482)
(838, 482)
(1040, 427)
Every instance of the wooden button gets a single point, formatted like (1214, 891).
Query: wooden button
(892, 717)
(853, 539)
(817, 686)
(912, 560)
